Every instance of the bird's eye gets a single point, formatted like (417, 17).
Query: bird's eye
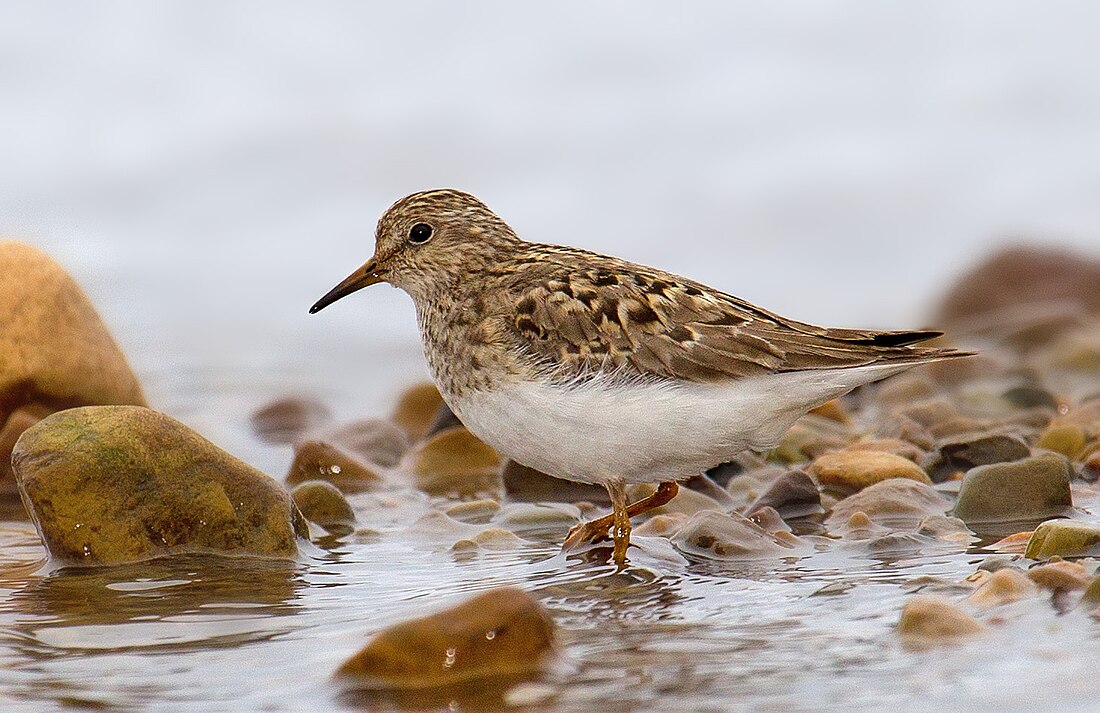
(420, 233)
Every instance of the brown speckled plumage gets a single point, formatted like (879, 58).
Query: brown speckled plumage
(492, 306)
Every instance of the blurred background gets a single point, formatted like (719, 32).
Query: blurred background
(206, 170)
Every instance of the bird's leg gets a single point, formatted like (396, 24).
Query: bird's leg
(596, 530)
(620, 524)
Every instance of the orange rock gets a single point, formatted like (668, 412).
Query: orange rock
(455, 463)
(1004, 586)
(833, 411)
(928, 621)
(55, 352)
(1059, 575)
(416, 409)
(1013, 544)
(850, 471)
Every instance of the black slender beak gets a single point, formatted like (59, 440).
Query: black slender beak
(365, 276)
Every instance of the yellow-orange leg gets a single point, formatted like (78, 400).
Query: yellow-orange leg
(619, 518)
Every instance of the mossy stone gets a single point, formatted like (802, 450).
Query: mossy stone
(115, 484)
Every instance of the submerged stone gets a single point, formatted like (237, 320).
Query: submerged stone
(321, 502)
(898, 502)
(1059, 576)
(55, 351)
(714, 535)
(928, 621)
(455, 463)
(851, 471)
(1004, 586)
(114, 484)
(501, 633)
(1064, 538)
(1030, 489)
(377, 441)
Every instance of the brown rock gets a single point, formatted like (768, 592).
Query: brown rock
(318, 460)
(416, 409)
(377, 441)
(321, 502)
(1029, 489)
(851, 471)
(55, 352)
(503, 633)
(285, 420)
(444, 418)
(116, 484)
(525, 484)
(1004, 586)
(898, 447)
(793, 495)
(1022, 275)
(960, 455)
(1061, 575)
(928, 621)
(454, 463)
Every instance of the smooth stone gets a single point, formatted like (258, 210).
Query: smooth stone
(898, 447)
(662, 525)
(474, 511)
(749, 485)
(851, 471)
(530, 516)
(906, 429)
(930, 412)
(495, 539)
(898, 502)
(529, 485)
(287, 419)
(1064, 538)
(443, 419)
(703, 485)
(1057, 576)
(323, 503)
(115, 484)
(1029, 489)
(1004, 586)
(945, 529)
(1026, 397)
(808, 438)
(769, 520)
(1015, 543)
(686, 501)
(416, 409)
(454, 463)
(793, 495)
(55, 351)
(1021, 275)
(928, 621)
(504, 632)
(1092, 592)
(962, 455)
(376, 440)
(319, 460)
(1067, 439)
(715, 535)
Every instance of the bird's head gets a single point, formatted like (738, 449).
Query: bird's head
(425, 242)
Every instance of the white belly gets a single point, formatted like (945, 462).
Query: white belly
(647, 433)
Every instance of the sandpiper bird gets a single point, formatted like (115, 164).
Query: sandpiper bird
(597, 370)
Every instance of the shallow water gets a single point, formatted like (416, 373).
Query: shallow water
(815, 633)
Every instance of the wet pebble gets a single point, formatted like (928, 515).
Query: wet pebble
(455, 463)
(1029, 489)
(960, 455)
(715, 535)
(376, 440)
(503, 633)
(897, 502)
(531, 516)
(1004, 586)
(851, 471)
(319, 460)
(928, 621)
(114, 484)
(1062, 575)
(792, 495)
(321, 502)
(686, 501)
(1064, 538)
(1065, 438)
